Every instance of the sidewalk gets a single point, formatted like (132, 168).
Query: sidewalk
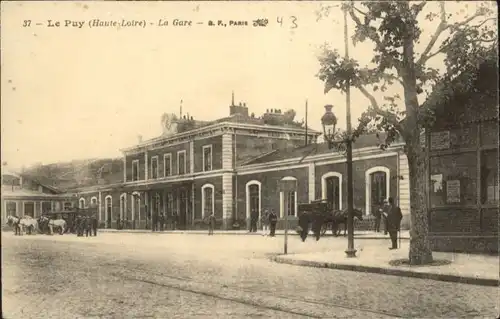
(464, 268)
(405, 235)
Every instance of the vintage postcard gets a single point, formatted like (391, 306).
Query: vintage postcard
(248, 159)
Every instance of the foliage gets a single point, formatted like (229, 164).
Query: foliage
(394, 29)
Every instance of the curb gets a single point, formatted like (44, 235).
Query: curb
(391, 272)
(229, 233)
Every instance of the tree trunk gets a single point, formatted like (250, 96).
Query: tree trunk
(420, 250)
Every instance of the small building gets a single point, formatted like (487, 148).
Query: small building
(463, 168)
(26, 196)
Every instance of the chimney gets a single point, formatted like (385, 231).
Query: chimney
(139, 138)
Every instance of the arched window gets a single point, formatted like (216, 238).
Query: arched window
(123, 205)
(253, 197)
(81, 203)
(331, 189)
(109, 208)
(93, 202)
(377, 181)
(207, 199)
(291, 201)
(136, 206)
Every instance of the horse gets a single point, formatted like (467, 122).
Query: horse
(13, 221)
(340, 217)
(29, 223)
(54, 223)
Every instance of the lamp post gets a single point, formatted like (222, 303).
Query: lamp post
(286, 185)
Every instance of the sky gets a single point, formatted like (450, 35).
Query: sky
(74, 93)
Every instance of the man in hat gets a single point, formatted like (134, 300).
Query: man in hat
(393, 219)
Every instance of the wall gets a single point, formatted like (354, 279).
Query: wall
(170, 149)
(359, 169)
(216, 143)
(269, 191)
(198, 184)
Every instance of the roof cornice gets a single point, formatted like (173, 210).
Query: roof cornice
(219, 126)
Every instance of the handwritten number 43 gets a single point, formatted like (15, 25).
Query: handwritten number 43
(293, 18)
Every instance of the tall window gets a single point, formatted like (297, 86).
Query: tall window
(154, 167)
(181, 162)
(291, 204)
(67, 205)
(156, 204)
(170, 203)
(46, 207)
(81, 203)
(11, 208)
(489, 177)
(207, 199)
(135, 170)
(167, 165)
(333, 192)
(93, 202)
(378, 189)
(207, 158)
(123, 199)
(109, 207)
(29, 209)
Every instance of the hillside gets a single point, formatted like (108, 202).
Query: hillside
(78, 173)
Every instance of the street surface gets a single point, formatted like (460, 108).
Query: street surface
(199, 276)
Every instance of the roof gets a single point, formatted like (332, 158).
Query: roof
(7, 191)
(320, 148)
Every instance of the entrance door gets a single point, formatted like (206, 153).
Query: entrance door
(183, 205)
(333, 192)
(378, 182)
(29, 209)
(254, 198)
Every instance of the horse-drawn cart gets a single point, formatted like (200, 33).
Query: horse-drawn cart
(320, 217)
(70, 217)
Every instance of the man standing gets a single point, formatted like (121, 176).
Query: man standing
(265, 223)
(211, 224)
(393, 219)
(254, 217)
(273, 219)
(174, 220)
(162, 221)
(154, 222)
(94, 224)
(378, 216)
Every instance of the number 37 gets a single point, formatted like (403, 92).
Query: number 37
(293, 18)
(26, 23)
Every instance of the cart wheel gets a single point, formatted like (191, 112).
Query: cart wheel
(324, 228)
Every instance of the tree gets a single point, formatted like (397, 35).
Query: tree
(393, 27)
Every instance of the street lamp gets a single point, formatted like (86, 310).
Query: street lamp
(329, 121)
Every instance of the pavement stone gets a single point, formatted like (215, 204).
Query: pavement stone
(464, 268)
(405, 235)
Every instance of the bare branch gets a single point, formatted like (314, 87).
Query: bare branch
(443, 25)
(372, 35)
(358, 10)
(485, 20)
(418, 7)
(391, 117)
(440, 28)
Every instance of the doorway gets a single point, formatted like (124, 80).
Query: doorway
(378, 182)
(333, 192)
(183, 206)
(29, 209)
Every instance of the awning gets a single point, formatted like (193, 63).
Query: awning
(160, 185)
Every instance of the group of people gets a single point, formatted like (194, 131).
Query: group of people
(85, 224)
(268, 221)
(159, 221)
(392, 216)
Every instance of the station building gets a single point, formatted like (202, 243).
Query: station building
(232, 165)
